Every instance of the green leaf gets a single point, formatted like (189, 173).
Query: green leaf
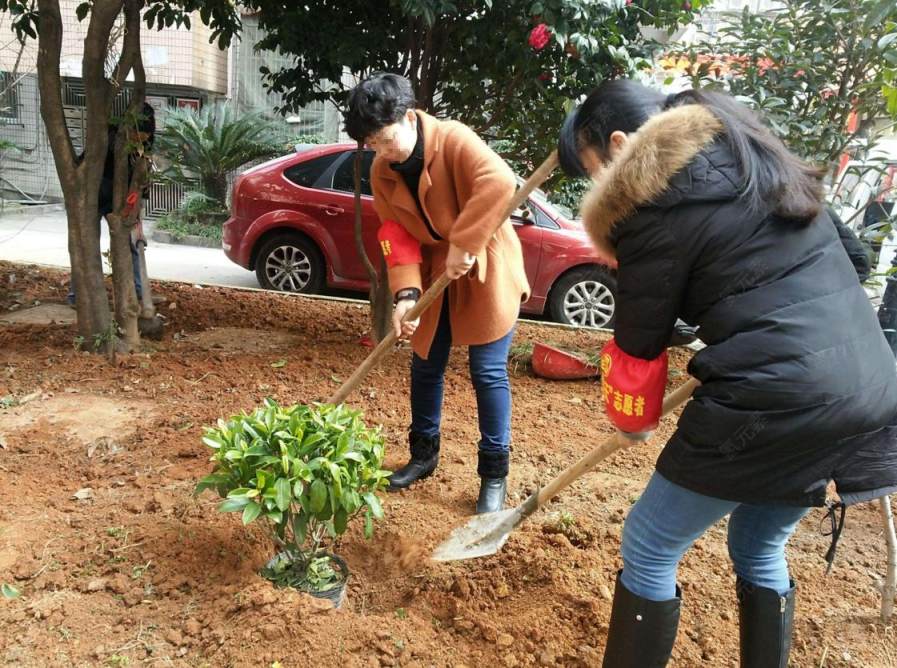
(212, 441)
(340, 519)
(877, 15)
(318, 495)
(368, 525)
(9, 591)
(374, 504)
(336, 478)
(279, 364)
(887, 40)
(300, 527)
(240, 492)
(209, 482)
(282, 489)
(233, 505)
(251, 512)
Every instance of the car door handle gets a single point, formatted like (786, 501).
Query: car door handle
(333, 210)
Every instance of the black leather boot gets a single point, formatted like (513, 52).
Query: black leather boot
(642, 632)
(493, 471)
(424, 458)
(765, 620)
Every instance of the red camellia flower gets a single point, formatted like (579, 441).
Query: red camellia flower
(539, 37)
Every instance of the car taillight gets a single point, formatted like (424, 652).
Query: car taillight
(235, 200)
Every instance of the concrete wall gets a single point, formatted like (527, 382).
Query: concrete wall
(178, 62)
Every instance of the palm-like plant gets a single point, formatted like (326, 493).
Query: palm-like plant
(214, 141)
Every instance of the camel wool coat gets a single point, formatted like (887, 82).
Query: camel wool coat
(464, 190)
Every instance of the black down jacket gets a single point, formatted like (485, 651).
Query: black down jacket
(798, 384)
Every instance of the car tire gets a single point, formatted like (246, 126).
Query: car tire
(584, 297)
(290, 263)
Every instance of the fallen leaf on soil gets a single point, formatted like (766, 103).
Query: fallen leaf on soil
(279, 364)
(83, 494)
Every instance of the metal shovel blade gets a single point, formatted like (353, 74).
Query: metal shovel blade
(483, 534)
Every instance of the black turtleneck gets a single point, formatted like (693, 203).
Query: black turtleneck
(410, 171)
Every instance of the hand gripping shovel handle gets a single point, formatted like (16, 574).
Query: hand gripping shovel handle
(616, 442)
(386, 345)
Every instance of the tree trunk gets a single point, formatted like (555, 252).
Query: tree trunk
(889, 590)
(379, 294)
(80, 183)
(381, 304)
(215, 186)
(127, 186)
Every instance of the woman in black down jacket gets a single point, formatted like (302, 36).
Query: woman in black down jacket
(713, 221)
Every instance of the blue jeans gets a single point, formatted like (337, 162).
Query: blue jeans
(489, 372)
(667, 519)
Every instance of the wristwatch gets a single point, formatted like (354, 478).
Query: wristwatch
(407, 293)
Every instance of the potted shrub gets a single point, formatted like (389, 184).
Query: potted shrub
(306, 472)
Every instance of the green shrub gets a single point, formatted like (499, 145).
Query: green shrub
(306, 471)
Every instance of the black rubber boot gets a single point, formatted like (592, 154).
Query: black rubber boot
(765, 620)
(642, 632)
(424, 458)
(493, 471)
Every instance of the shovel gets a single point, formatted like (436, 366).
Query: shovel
(485, 534)
(386, 344)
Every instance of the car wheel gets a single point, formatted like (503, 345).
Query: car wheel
(290, 263)
(585, 298)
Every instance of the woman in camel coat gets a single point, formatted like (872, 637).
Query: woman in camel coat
(440, 193)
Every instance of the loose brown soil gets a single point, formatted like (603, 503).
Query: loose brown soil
(136, 571)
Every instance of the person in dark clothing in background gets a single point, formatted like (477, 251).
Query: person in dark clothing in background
(145, 134)
(857, 251)
(713, 221)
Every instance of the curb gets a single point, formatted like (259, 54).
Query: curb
(164, 237)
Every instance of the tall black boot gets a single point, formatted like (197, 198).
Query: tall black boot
(493, 471)
(765, 620)
(642, 632)
(424, 458)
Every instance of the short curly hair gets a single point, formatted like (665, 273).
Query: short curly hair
(380, 100)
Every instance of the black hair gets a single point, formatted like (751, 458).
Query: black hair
(380, 100)
(147, 123)
(772, 178)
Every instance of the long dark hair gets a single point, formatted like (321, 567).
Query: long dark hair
(772, 178)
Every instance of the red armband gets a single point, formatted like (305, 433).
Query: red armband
(398, 246)
(632, 388)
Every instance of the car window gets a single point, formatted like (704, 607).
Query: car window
(344, 178)
(307, 173)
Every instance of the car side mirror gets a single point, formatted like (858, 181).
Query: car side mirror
(523, 214)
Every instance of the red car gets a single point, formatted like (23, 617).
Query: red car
(292, 223)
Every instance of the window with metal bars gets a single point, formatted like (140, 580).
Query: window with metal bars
(9, 98)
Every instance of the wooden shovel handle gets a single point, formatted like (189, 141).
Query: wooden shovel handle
(616, 442)
(386, 345)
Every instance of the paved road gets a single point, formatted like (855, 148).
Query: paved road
(40, 237)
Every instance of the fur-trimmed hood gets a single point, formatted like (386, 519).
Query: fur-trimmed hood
(642, 172)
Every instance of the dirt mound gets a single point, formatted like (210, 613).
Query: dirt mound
(45, 314)
(86, 418)
(240, 339)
